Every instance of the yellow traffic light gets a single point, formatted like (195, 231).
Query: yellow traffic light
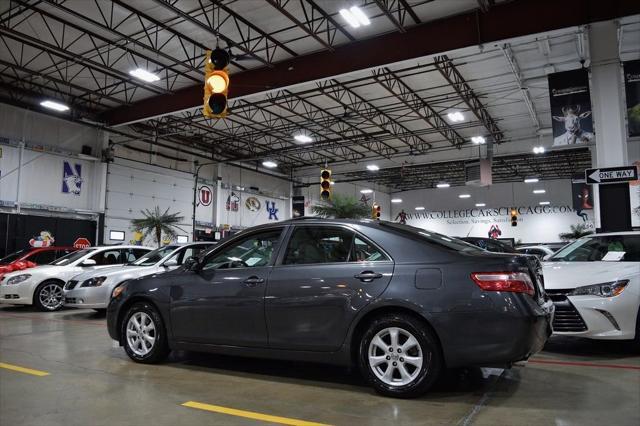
(325, 185)
(514, 217)
(375, 211)
(216, 83)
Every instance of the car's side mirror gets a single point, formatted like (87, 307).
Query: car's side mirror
(546, 257)
(89, 262)
(170, 263)
(191, 263)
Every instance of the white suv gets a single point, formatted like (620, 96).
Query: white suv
(42, 286)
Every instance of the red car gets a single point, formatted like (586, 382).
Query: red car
(28, 258)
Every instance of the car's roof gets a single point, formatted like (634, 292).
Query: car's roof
(607, 234)
(34, 249)
(120, 246)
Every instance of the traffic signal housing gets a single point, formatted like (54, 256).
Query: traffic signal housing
(216, 83)
(375, 211)
(514, 217)
(325, 184)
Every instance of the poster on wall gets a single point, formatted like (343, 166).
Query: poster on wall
(233, 201)
(632, 89)
(570, 107)
(71, 178)
(582, 198)
(297, 205)
(634, 199)
(205, 195)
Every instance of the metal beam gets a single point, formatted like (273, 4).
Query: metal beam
(503, 21)
(513, 64)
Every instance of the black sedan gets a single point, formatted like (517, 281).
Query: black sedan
(400, 302)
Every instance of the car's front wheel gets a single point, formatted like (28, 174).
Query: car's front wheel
(400, 356)
(49, 296)
(144, 336)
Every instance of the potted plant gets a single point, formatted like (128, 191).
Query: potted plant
(156, 223)
(342, 207)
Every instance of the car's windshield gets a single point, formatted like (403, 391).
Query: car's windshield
(154, 256)
(72, 257)
(613, 248)
(13, 256)
(436, 238)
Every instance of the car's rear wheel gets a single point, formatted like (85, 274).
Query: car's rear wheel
(49, 296)
(143, 333)
(400, 356)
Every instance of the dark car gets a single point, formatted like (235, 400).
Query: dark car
(400, 302)
(490, 244)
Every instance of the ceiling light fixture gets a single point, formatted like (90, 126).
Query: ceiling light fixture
(539, 191)
(270, 164)
(373, 168)
(531, 180)
(464, 196)
(396, 200)
(478, 140)
(455, 117)
(302, 138)
(480, 204)
(538, 150)
(419, 208)
(355, 16)
(54, 105)
(366, 191)
(443, 185)
(144, 75)
(544, 203)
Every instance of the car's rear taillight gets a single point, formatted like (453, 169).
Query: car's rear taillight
(516, 282)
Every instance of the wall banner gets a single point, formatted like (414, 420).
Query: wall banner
(71, 178)
(632, 89)
(570, 107)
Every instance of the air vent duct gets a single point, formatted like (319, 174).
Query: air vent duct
(478, 173)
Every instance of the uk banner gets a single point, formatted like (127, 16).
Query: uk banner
(71, 178)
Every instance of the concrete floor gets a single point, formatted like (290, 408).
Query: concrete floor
(93, 383)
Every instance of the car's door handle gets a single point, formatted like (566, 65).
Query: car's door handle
(253, 281)
(367, 276)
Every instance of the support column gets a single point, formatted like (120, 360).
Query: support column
(607, 96)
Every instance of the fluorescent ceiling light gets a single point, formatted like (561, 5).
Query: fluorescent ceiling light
(366, 191)
(538, 150)
(480, 204)
(478, 140)
(544, 203)
(419, 208)
(270, 164)
(332, 182)
(350, 18)
(373, 167)
(360, 16)
(539, 191)
(455, 117)
(144, 75)
(464, 196)
(531, 180)
(396, 200)
(54, 105)
(443, 185)
(302, 138)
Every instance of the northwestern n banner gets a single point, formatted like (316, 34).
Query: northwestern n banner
(570, 107)
(632, 87)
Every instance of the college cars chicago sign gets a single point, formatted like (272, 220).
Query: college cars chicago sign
(611, 174)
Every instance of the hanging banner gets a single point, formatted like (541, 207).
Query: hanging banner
(570, 107)
(634, 199)
(298, 205)
(632, 88)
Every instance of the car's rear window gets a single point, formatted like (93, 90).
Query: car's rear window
(450, 243)
(13, 256)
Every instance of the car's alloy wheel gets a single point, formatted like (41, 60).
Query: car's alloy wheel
(49, 296)
(143, 334)
(395, 356)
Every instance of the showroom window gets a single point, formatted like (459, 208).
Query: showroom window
(315, 244)
(621, 248)
(251, 252)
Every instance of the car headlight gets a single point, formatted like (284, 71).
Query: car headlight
(18, 279)
(609, 289)
(93, 282)
(118, 290)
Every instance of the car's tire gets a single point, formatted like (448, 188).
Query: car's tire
(49, 296)
(387, 369)
(146, 343)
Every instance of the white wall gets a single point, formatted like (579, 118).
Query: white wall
(446, 213)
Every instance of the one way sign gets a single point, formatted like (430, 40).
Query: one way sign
(611, 174)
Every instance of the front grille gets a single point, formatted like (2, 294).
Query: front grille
(566, 318)
(71, 300)
(12, 296)
(71, 284)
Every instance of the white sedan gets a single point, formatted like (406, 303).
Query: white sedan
(42, 286)
(92, 289)
(595, 286)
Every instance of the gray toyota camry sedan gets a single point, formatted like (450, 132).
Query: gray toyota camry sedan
(400, 302)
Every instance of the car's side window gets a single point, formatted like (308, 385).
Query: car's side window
(135, 254)
(318, 244)
(365, 252)
(43, 257)
(253, 251)
(109, 257)
(60, 253)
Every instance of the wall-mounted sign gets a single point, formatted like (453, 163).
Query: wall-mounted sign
(205, 195)
(632, 89)
(45, 239)
(82, 243)
(570, 107)
(611, 174)
(252, 204)
(271, 209)
(71, 178)
(233, 201)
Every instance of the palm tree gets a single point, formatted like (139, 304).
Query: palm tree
(342, 207)
(577, 231)
(157, 223)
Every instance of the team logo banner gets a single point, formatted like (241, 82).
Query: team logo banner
(233, 200)
(72, 178)
(205, 196)
(272, 210)
(570, 107)
(632, 88)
